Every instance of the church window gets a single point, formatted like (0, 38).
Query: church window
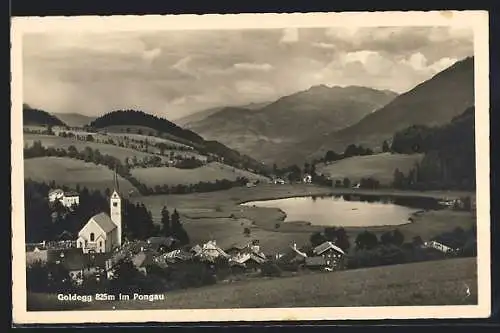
(115, 204)
(100, 243)
(92, 236)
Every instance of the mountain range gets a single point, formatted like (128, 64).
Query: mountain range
(200, 115)
(303, 126)
(279, 126)
(433, 102)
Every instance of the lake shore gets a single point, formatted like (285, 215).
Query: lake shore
(219, 215)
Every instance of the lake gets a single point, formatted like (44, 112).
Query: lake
(348, 210)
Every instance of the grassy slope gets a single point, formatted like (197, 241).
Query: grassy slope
(70, 172)
(207, 173)
(379, 166)
(60, 142)
(427, 283)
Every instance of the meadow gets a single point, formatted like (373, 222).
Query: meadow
(64, 143)
(72, 172)
(219, 216)
(208, 173)
(441, 282)
(379, 166)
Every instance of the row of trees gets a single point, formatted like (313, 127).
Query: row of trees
(200, 187)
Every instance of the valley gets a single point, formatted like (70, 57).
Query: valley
(353, 148)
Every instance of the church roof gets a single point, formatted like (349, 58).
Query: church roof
(104, 221)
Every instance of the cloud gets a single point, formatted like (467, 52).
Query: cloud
(253, 67)
(290, 35)
(322, 45)
(150, 55)
(173, 73)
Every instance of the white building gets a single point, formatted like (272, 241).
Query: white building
(67, 199)
(103, 232)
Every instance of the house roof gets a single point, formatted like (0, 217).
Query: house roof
(327, 246)
(56, 190)
(104, 221)
(448, 241)
(71, 194)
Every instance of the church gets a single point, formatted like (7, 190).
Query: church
(103, 232)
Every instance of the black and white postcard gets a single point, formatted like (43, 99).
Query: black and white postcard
(250, 167)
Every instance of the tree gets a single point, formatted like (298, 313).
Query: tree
(398, 179)
(346, 182)
(317, 238)
(246, 232)
(417, 241)
(330, 233)
(398, 238)
(165, 221)
(342, 240)
(307, 167)
(385, 147)
(366, 240)
(331, 156)
(177, 229)
(126, 278)
(386, 238)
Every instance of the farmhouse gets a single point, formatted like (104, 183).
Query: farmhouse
(209, 251)
(103, 233)
(442, 244)
(331, 253)
(67, 199)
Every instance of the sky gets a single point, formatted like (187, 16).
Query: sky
(175, 73)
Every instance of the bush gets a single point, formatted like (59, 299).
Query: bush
(270, 269)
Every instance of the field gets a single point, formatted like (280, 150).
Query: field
(60, 142)
(218, 215)
(207, 173)
(113, 150)
(70, 172)
(379, 166)
(429, 283)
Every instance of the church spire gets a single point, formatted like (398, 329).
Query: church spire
(115, 181)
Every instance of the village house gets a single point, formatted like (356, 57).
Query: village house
(444, 245)
(103, 233)
(307, 178)
(209, 251)
(332, 255)
(67, 199)
(178, 255)
(246, 255)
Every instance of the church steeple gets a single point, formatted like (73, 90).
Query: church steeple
(116, 209)
(115, 181)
